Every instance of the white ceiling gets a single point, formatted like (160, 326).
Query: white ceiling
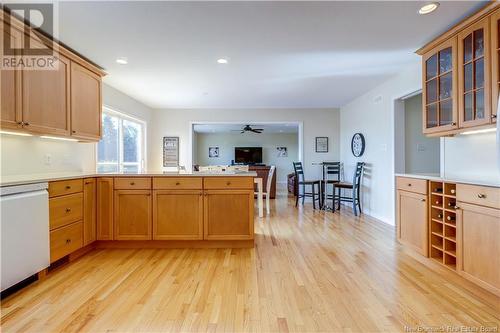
(236, 128)
(282, 54)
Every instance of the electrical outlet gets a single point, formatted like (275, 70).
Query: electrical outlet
(47, 159)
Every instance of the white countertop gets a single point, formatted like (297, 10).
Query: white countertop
(437, 177)
(46, 177)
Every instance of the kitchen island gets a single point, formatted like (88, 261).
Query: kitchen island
(144, 210)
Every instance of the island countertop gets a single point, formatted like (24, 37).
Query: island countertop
(12, 180)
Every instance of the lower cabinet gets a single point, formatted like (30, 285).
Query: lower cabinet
(478, 249)
(65, 240)
(228, 214)
(412, 221)
(133, 212)
(89, 210)
(104, 197)
(177, 215)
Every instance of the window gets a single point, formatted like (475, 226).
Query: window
(122, 146)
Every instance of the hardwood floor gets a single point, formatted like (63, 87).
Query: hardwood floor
(310, 271)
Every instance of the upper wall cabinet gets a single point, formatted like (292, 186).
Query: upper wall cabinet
(85, 103)
(460, 75)
(439, 72)
(495, 59)
(65, 101)
(474, 75)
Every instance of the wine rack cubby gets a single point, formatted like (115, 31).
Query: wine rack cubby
(442, 223)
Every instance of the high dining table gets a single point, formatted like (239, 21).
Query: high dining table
(323, 188)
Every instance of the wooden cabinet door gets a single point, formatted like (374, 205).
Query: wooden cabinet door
(46, 102)
(412, 221)
(478, 249)
(104, 208)
(10, 84)
(228, 214)
(177, 214)
(89, 211)
(85, 103)
(439, 94)
(132, 215)
(474, 101)
(495, 62)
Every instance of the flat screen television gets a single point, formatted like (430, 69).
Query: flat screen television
(248, 155)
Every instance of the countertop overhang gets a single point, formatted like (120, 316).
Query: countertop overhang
(48, 177)
(437, 177)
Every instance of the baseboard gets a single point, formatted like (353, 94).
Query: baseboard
(175, 244)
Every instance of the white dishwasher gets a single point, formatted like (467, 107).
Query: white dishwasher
(24, 211)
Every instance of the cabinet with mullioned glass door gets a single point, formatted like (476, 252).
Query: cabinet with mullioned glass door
(495, 62)
(439, 67)
(474, 107)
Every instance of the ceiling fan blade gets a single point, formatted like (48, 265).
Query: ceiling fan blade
(256, 131)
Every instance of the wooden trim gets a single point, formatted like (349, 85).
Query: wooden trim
(459, 130)
(481, 13)
(175, 244)
(482, 24)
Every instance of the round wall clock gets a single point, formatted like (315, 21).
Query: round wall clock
(358, 144)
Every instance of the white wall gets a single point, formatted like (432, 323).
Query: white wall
(421, 152)
(26, 155)
(268, 141)
(316, 122)
(470, 158)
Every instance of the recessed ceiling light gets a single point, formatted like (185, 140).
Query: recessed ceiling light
(122, 61)
(428, 8)
(222, 61)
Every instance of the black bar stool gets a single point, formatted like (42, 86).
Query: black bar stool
(331, 176)
(299, 176)
(355, 188)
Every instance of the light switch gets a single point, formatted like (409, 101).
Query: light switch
(47, 159)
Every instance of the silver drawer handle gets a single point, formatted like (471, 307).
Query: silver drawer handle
(68, 210)
(481, 196)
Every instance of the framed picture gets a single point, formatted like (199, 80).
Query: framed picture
(322, 144)
(171, 151)
(213, 152)
(282, 151)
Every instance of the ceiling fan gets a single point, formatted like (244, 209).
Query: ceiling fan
(248, 128)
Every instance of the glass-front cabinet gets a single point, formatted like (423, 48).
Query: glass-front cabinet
(439, 88)
(474, 72)
(495, 65)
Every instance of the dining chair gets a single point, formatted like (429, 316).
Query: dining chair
(331, 176)
(355, 188)
(267, 193)
(302, 183)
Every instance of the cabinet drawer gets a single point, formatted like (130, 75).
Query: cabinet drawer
(172, 183)
(133, 183)
(228, 183)
(65, 240)
(479, 195)
(63, 187)
(412, 185)
(65, 210)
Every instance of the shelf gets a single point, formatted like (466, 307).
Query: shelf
(437, 193)
(451, 253)
(453, 267)
(450, 210)
(437, 247)
(452, 239)
(450, 225)
(453, 196)
(440, 234)
(437, 207)
(437, 221)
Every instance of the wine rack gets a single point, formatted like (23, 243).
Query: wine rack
(442, 223)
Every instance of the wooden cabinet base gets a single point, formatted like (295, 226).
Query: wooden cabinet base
(173, 244)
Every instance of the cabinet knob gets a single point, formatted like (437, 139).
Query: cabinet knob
(88, 182)
(493, 116)
(453, 124)
(68, 210)
(228, 183)
(132, 183)
(481, 196)
(73, 132)
(68, 241)
(68, 187)
(177, 183)
(423, 200)
(409, 185)
(456, 207)
(26, 124)
(20, 123)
